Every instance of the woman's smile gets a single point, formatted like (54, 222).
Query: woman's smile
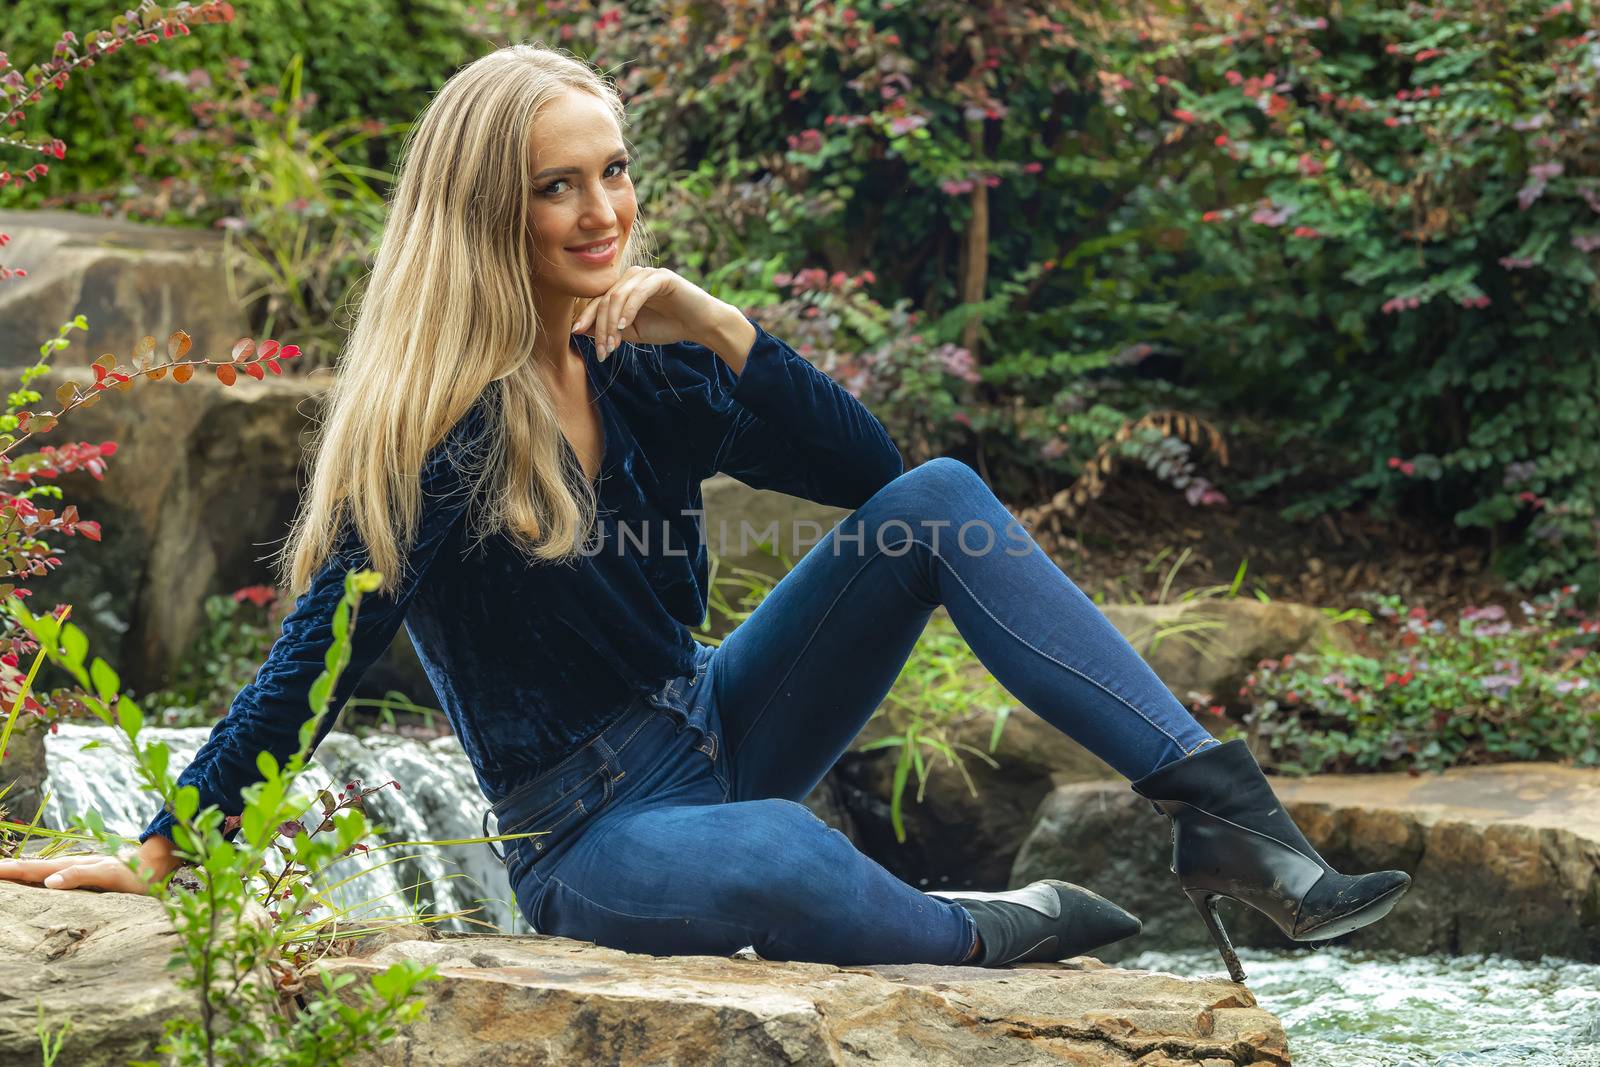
(598, 254)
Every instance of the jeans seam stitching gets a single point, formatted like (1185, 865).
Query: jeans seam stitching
(1021, 640)
(555, 880)
(554, 805)
(1064, 666)
(733, 747)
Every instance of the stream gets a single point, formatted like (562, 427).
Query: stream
(1347, 1008)
(1341, 1007)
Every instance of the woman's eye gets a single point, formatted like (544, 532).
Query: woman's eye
(550, 190)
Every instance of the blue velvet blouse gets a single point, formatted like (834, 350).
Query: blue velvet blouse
(529, 661)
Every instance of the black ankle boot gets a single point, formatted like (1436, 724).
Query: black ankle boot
(1232, 838)
(1043, 921)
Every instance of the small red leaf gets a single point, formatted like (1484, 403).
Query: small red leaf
(255, 371)
(226, 374)
(267, 349)
(89, 529)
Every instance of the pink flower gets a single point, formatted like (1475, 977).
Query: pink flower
(1032, 168)
(259, 595)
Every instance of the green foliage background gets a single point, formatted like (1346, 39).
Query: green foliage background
(1371, 229)
(367, 58)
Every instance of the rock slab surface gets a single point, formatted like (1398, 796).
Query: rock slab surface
(551, 1000)
(99, 961)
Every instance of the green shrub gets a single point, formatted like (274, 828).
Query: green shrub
(367, 60)
(1433, 694)
(240, 961)
(1387, 215)
(932, 185)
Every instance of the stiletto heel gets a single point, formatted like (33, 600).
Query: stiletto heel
(1232, 837)
(1206, 904)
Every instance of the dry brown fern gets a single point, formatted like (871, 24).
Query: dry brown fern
(1092, 480)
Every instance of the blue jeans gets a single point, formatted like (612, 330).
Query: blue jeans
(679, 829)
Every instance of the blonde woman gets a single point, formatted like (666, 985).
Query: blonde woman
(516, 439)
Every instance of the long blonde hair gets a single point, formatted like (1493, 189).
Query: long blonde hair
(449, 312)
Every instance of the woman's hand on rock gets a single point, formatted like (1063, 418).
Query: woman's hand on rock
(96, 871)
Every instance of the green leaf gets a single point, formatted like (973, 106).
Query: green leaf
(1000, 716)
(74, 644)
(252, 824)
(158, 756)
(902, 771)
(107, 683)
(129, 717)
(186, 803)
(320, 690)
(91, 820)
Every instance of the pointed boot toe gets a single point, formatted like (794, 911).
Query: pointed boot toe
(1340, 903)
(1044, 921)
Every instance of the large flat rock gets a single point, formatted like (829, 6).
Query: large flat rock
(99, 960)
(551, 1000)
(1504, 858)
(95, 960)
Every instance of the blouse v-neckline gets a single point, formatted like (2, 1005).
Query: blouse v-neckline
(586, 350)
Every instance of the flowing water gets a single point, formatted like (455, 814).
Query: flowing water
(1341, 1008)
(437, 800)
(1347, 1008)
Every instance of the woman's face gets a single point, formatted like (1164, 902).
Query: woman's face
(582, 196)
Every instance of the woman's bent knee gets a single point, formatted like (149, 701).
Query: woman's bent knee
(943, 505)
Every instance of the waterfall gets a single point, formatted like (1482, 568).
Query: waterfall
(438, 799)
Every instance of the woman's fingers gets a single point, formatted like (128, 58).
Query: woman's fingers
(581, 325)
(606, 329)
(75, 872)
(35, 870)
(629, 311)
(598, 318)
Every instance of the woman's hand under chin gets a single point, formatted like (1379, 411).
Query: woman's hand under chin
(652, 306)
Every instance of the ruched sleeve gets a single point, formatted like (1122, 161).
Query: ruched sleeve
(268, 712)
(781, 424)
